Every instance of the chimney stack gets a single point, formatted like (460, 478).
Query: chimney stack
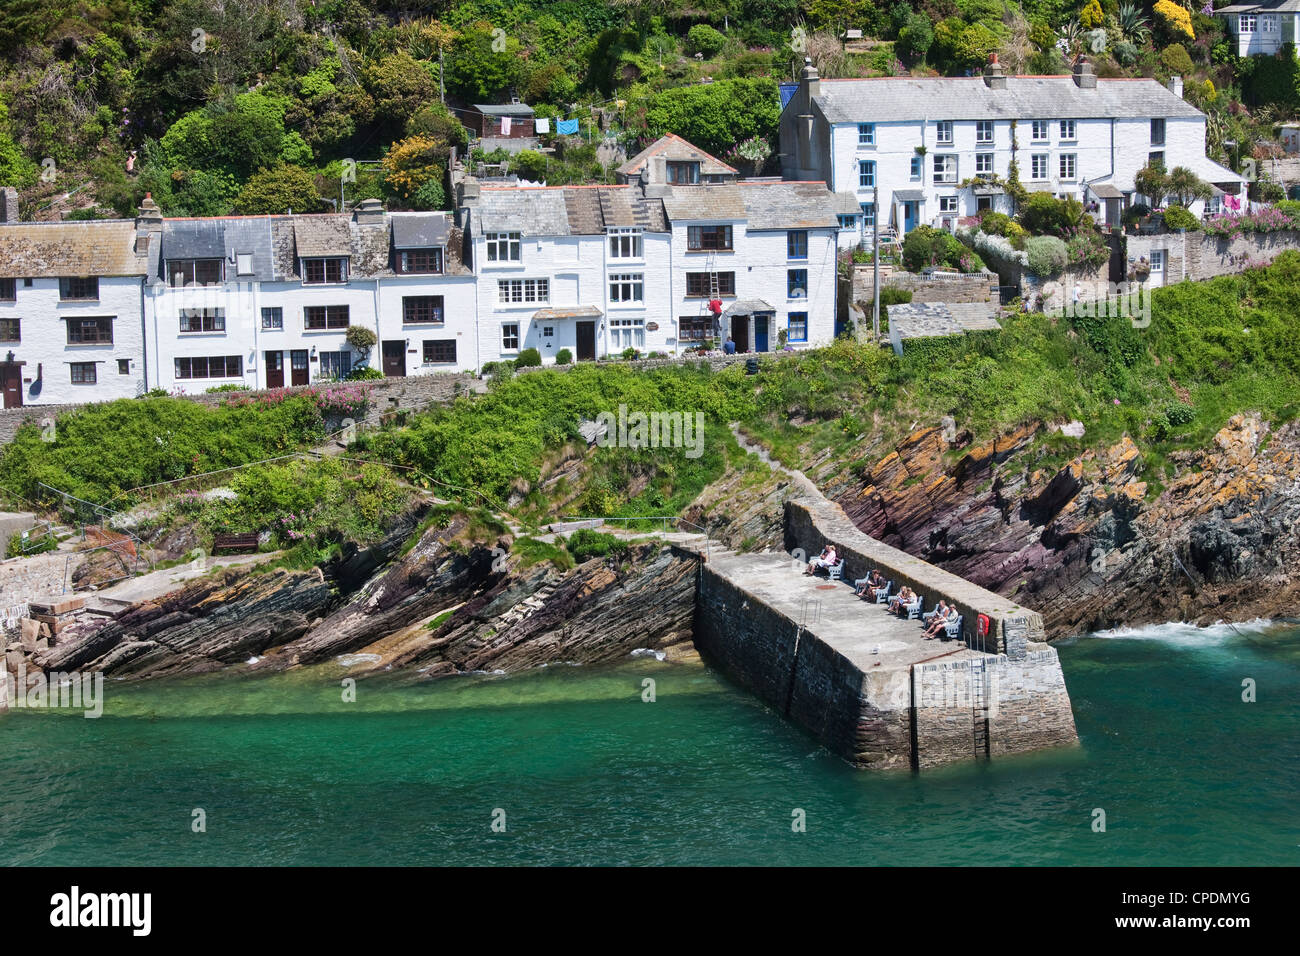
(369, 212)
(994, 78)
(809, 78)
(8, 204)
(149, 217)
(1084, 78)
(1176, 86)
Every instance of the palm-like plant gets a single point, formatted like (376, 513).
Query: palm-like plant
(1132, 26)
(1072, 36)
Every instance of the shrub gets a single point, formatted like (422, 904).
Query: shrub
(703, 39)
(1044, 214)
(585, 544)
(361, 338)
(1175, 18)
(926, 246)
(363, 373)
(1176, 59)
(1125, 53)
(1136, 213)
(994, 223)
(1086, 248)
(528, 358)
(1180, 217)
(1046, 255)
(563, 357)
(893, 295)
(226, 388)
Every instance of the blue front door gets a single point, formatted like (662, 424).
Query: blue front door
(909, 216)
(760, 333)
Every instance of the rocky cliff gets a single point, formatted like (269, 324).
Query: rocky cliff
(1088, 544)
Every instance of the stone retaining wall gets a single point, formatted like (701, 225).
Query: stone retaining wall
(969, 287)
(1194, 255)
(810, 524)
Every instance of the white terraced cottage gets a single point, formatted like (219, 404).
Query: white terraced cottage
(941, 148)
(92, 311)
(1261, 28)
(70, 309)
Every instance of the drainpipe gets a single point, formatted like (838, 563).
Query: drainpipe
(379, 337)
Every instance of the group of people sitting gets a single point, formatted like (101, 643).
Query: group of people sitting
(936, 622)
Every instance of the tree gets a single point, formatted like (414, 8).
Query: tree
(1152, 181)
(436, 122)
(1175, 19)
(400, 85)
(410, 165)
(718, 115)
(705, 40)
(278, 190)
(1176, 59)
(1091, 16)
(916, 36)
(1185, 187)
(475, 69)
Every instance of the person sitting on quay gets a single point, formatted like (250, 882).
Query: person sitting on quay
(901, 600)
(929, 617)
(827, 558)
(872, 581)
(940, 624)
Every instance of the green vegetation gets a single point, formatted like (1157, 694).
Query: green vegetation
(99, 451)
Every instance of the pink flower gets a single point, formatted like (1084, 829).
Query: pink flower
(1116, 401)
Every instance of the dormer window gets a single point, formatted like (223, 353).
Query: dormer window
(183, 272)
(684, 174)
(323, 270)
(504, 246)
(426, 261)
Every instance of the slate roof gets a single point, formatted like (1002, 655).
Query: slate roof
(220, 238)
(504, 109)
(326, 235)
(567, 210)
(369, 248)
(92, 248)
(894, 98)
(775, 205)
(749, 307)
(675, 148)
(790, 205)
(1275, 6)
(412, 230)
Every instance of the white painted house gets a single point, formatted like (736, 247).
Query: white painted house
(941, 148)
(766, 252)
(1261, 28)
(266, 301)
(70, 316)
(583, 268)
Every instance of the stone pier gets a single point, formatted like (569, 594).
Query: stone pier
(865, 683)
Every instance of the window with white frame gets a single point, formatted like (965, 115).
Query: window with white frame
(1038, 166)
(1040, 131)
(510, 337)
(244, 263)
(868, 215)
(848, 222)
(916, 167)
(947, 204)
(943, 132)
(1214, 205)
(627, 333)
(945, 168)
(1268, 23)
(503, 246)
(625, 243)
(866, 134)
(866, 174)
(984, 132)
(627, 287)
(983, 164)
(272, 319)
(1157, 261)
(1246, 23)
(1068, 129)
(518, 291)
(1068, 165)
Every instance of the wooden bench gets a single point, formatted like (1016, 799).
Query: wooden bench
(246, 541)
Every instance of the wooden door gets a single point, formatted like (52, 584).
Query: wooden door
(760, 333)
(12, 378)
(394, 357)
(275, 369)
(586, 341)
(299, 368)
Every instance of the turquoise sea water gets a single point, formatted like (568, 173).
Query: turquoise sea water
(588, 773)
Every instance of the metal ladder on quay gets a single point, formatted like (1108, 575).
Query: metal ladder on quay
(979, 708)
